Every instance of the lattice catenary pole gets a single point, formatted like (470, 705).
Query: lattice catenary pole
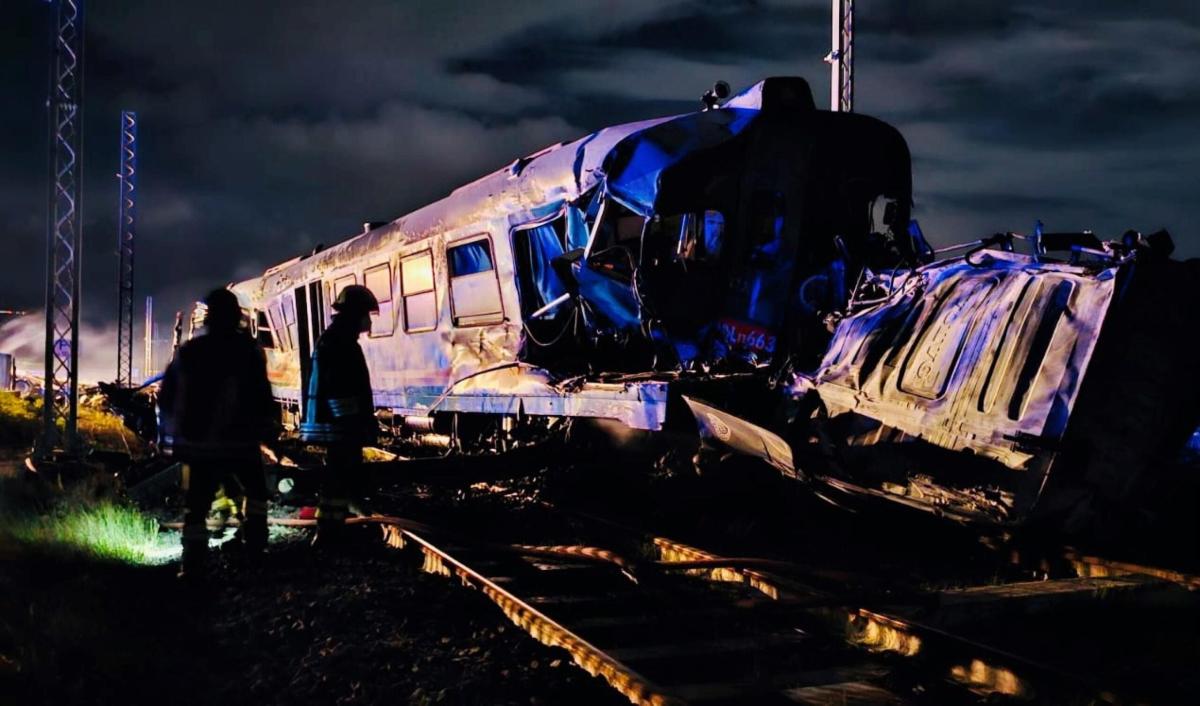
(126, 232)
(841, 57)
(65, 228)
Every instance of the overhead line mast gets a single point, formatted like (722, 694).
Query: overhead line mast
(64, 238)
(841, 58)
(126, 232)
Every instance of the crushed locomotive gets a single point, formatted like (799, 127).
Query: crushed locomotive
(753, 264)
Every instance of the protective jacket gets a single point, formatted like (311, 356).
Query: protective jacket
(215, 401)
(340, 407)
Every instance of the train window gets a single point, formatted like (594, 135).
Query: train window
(766, 233)
(289, 319)
(379, 281)
(416, 288)
(474, 289)
(341, 283)
(534, 251)
(684, 237)
(618, 226)
(470, 258)
(616, 245)
(263, 330)
(275, 312)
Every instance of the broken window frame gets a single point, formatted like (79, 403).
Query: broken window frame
(590, 252)
(275, 314)
(689, 242)
(289, 318)
(383, 323)
(560, 215)
(263, 326)
(406, 295)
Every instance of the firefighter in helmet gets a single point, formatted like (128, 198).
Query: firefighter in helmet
(216, 408)
(340, 411)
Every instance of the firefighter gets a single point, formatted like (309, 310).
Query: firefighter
(216, 409)
(340, 411)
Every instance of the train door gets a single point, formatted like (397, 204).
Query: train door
(310, 321)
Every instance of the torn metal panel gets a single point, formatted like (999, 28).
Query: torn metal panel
(743, 436)
(636, 164)
(983, 357)
(615, 299)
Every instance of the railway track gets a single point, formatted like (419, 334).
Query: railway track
(657, 637)
(666, 622)
(676, 624)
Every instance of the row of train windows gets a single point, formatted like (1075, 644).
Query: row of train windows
(474, 295)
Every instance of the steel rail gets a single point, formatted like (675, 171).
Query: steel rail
(979, 667)
(1099, 566)
(966, 662)
(595, 661)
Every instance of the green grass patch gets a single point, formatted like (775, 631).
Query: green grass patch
(21, 423)
(105, 430)
(105, 530)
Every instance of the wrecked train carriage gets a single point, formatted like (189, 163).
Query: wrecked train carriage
(596, 279)
(999, 387)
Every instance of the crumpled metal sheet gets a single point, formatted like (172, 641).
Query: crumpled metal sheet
(634, 166)
(984, 357)
(743, 436)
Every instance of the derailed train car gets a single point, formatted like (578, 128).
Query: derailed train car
(701, 260)
(972, 386)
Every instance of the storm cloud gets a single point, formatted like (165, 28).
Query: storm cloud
(267, 128)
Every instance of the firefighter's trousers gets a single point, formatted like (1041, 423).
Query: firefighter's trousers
(342, 479)
(202, 477)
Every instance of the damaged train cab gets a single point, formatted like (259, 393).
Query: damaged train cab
(714, 264)
(588, 279)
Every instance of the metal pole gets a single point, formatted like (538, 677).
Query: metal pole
(64, 240)
(841, 57)
(148, 363)
(126, 231)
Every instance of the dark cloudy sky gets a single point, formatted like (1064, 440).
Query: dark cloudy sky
(267, 127)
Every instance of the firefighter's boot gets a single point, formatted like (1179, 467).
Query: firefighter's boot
(253, 532)
(331, 523)
(193, 568)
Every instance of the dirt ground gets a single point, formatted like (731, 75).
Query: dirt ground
(300, 628)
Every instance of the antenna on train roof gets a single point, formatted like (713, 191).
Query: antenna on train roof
(714, 95)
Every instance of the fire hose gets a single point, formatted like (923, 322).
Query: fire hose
(580, 552)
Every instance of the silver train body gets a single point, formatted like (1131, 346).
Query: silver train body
(748, 271)
(461, 294)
